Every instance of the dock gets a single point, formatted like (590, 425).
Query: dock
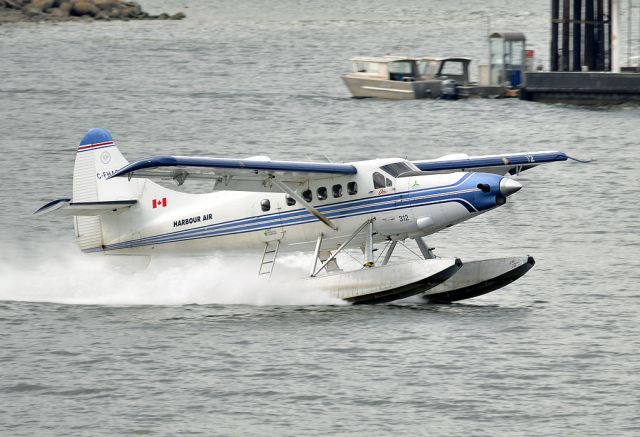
(581, 87)
(585, 57)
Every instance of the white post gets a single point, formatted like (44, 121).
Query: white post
(629, 24)
(615, 29)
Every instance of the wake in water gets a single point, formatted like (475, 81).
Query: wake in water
(75, 278)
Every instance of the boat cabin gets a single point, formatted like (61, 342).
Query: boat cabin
(507, 58)
(411, 69)
(445, 68)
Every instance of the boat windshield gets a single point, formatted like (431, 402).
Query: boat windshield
(452, 68)
(397, 168)
(425, 68)
(398, 70)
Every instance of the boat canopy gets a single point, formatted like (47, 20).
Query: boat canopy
(509, 36)
(412, 68)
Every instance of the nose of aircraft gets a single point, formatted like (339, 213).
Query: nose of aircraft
(509, 186)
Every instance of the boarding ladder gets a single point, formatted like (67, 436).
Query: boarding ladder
(269, 257)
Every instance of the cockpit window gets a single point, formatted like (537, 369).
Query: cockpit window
(378, 180)
(397, 168)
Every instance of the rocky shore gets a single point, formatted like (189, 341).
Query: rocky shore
(12, 11)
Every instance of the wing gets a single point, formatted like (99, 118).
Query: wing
(498, 164)
(252, 174)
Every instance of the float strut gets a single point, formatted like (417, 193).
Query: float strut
(342, 246)
(316, 255)
(427, 253)
(390, 249)
(368, 252)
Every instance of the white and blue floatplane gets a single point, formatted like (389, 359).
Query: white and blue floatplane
(275, 207)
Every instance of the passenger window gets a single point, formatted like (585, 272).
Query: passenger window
(265, 205)
(307, 195)
(388, 182)
(352, 188)
(290, 200)
(378, 180)
(322, 193)
(337, 190)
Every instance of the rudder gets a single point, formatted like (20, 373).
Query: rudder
(97, 158)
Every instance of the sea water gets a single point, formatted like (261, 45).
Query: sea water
(90, 346)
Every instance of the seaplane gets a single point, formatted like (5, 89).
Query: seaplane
(270, 208)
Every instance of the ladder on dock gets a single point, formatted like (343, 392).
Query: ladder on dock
(269, 257)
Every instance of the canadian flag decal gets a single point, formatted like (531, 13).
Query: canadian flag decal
(159, 202)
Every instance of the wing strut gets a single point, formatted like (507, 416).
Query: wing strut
(303, 202)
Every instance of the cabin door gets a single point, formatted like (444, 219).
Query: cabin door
(271, 228)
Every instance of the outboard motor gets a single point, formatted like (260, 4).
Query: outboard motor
(449, 89)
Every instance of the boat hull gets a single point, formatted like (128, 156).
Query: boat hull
(393, 89)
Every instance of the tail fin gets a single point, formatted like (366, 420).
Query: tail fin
(97, 158)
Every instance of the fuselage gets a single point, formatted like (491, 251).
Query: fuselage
(403, 205)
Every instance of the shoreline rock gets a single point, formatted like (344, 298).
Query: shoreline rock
(14, 11)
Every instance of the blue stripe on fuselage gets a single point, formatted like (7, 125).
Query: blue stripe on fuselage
(350, 208)
(325, 209)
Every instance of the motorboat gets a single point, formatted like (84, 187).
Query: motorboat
(403, 77)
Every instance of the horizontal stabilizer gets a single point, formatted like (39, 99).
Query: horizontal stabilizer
(65, 207)
(498, 164)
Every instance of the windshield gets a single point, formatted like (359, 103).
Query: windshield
(397, 168)
(424, 68)
(402, 67)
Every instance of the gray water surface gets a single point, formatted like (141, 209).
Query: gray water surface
(197, 348)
